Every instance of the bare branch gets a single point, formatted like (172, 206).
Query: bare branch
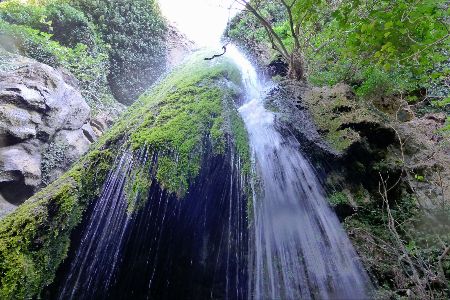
(217, 55)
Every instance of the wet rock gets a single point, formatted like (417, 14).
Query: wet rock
(40, 111)
(101, 123)
(343, 138)
(67, 147)
(351, 142)
(286, 99)
(20, 171)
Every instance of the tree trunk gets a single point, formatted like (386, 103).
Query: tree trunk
(296, 70)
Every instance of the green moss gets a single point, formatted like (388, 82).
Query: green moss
(34, 240)
(240, 136)
(181, 114)
(137, 187)
(334, 110)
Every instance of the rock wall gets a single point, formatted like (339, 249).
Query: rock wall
(359, 146)
(45, 125)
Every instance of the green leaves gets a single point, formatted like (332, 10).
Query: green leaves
(406, 38)
(136, 31)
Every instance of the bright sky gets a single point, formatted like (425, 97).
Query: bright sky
(203, 21)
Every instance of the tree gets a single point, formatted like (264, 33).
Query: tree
(135, 30)
(292, 55)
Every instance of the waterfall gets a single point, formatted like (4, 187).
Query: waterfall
(171, 248)
(208, 245)
(96, 260)
(298, 247)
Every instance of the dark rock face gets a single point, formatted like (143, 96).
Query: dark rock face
(44, 128)
(286, 100)
(278, 67)
(189, 248)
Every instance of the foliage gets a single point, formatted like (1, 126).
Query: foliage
(135, 33)
(404, 40)
(29, 29)
(110, 46)
(67, 25)
(338, 198)
(246, 29)
(423, 237)
(380, 47)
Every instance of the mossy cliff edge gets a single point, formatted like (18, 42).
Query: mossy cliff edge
(190, 109)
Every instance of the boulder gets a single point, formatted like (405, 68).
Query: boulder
(44, 127)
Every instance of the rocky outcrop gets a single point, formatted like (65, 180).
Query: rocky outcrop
(370, 153)
(44, 127)
(178, 46)
(292, 114)
(426, 155)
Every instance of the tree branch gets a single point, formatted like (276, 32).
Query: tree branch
(278, 43)
(217, 55)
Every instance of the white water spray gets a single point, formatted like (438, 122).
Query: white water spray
(299, 249)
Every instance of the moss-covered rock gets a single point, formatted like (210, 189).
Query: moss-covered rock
(35, 238)
(336, 113)
(190, 109)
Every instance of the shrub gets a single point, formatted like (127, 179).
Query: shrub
(135, 31)
(87, 68)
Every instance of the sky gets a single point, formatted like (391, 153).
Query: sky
(203, 21)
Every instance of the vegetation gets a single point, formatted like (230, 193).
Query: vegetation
(110, 46)
(134, 31)
(379, 47)
(28, 30)
(35, 239)
(182, 117)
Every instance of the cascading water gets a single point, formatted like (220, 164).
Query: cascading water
(190, 248)
(98, 255)
(299, 249)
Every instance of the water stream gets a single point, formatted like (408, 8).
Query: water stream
(190, 248)
(298, 248)
(205, 246)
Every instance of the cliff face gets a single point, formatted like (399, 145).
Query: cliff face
(378, 167)
(192, 108)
